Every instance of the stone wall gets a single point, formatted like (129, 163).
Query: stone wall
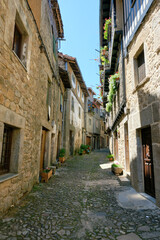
(23, 102)
(143, 99)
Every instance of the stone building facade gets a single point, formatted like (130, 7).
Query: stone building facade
(93, 125)
(29, 85)
(75, 100)
(134, 128)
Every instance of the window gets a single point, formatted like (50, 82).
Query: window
(96, 123)
(141, 67)
(54, 43)
(17, 42)
(20, 41)
(73, 80)
(79, 112)
(78, 88)
(72, 104)
(49, 98)
(61, 103)
(97, 110)
(83, 97)
(89, 121)
(6, 150)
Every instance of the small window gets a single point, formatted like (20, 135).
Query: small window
(49, 99)
(89, 121)
(61, 103)
(73, 80)
(141, 67)
(17, 42)
(83, 97)
(49, 93)
(20, 41)
(54, 43)
(79, 112)
(96, 124)
(72, 104)
(6, 150)
(97, 110)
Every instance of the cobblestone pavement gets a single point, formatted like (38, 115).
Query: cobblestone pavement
(79, 202)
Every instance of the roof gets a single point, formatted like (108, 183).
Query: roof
(65, 77)
(98, 101)
(74, 65)
(91, 90)
(57, 15)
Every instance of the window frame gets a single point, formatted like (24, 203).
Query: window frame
(72, 105)
(6, 149)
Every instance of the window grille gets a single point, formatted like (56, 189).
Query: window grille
(6, 150)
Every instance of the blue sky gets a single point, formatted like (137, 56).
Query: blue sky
(81, 31)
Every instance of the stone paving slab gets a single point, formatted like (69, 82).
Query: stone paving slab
(130, 236)
(80, 202)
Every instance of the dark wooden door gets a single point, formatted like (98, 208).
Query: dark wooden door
(71, 143)
(127, 148)
(148, 162)
(43, 143)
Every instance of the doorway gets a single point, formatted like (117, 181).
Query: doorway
(71, 141)
(148, 162)
(43, 146)
(116, 146)
(127, 163)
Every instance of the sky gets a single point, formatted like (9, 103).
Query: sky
(81, 31)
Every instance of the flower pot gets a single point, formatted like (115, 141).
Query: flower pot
(111, 159)
(62, 159)
(46, 175)
(117, 171)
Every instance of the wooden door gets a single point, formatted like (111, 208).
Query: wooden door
(71, 143)
(148, 162)
(43, 143)
(127, 148)
(88, 141)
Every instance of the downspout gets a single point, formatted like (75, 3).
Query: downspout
(123, 59)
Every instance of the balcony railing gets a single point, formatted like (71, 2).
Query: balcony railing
(133, 16)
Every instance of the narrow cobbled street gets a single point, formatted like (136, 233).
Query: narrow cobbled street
(80, 202)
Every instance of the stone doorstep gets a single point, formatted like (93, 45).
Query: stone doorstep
(124, 180)
(56, 164)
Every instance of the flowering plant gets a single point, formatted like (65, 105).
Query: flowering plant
(104, 55)
(107, 23)
(46, 170)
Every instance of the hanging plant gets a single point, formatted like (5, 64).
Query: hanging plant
(109, 107)
(112, 90)
(107, 23)
(104, 55)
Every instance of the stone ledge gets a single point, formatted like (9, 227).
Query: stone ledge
(7, 176)
(143, 82)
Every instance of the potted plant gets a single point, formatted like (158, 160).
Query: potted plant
(62, 155)
(46, 174)
(117, 169)
(110, 157)
(106, 24)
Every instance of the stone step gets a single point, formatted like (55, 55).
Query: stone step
(124, 181)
